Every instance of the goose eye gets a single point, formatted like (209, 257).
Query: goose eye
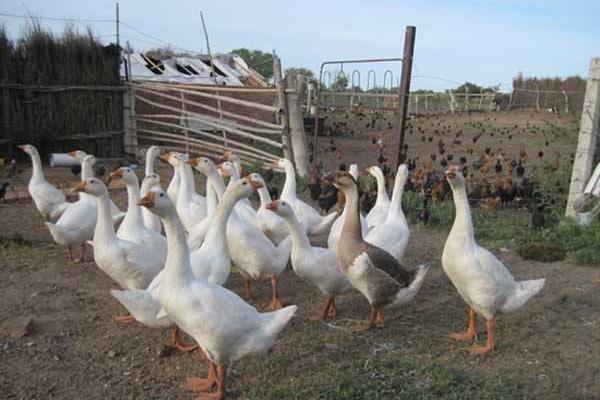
(245, 183)
(162, 195)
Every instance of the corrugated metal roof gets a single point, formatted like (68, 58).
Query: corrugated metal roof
(230, 70)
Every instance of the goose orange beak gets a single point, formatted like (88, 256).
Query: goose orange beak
(255, 185)
(117, 173)
(272, 206)
(73, 153)
(194, 162)
(22, 146)
(147, 201)
(80, 187)
(165, 156)
(223, 170)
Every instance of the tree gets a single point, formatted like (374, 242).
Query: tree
(472, 88)
(340, 83)
(310, 76)
(260, 61)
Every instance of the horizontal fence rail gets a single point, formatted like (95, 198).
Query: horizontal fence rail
(208, 120)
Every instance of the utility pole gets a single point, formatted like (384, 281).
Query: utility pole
(404, 89)
(117, 23)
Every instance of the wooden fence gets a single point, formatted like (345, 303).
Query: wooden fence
(207, 120)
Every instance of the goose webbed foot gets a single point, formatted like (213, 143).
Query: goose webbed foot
(199, 385)
(179, 344)
(124, 319)
(470, 334)
(490, 346)
(81, 255)
(370, 325)
(202, 387)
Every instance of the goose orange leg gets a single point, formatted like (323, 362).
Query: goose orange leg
(370, 325)
(179, 344)
(81, 255)
(199, 385)
(379, 319)
(124, 319)
(490, 345)
(69, 253)
(470, 334)
(276, 302)
(203, 386)
(248, 295)
(327, 310)
(331, 313)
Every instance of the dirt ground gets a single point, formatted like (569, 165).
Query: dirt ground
(354, 137)
(73, 348)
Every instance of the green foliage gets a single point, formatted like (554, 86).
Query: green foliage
(260, 61)
(471, 88)
(387, 378)
(340, 83)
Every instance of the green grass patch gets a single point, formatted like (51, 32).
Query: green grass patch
(387, 378)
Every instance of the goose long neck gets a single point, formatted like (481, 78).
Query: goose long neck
(265, 197)
(177, 266)
(351, 227)
(150, 157)
(297, 232)
(462, 221)
(396, 202)
(37, 171)
(134, 212)
(174, 183)
(381, 190)
(104, 227)
(216, 181)
(218, 222)
(289, 187)
(187, 186)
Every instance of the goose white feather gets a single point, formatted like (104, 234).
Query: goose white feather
(379, 212)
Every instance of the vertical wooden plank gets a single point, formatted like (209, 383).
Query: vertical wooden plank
(588, 137)
(186, 123)
(296, 122)
(130, 142)
(404, 89)
(283, 111)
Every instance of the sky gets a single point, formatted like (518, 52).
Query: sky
(486, 42)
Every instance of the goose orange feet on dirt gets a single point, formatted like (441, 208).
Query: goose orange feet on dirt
(490, 345)
(199, 385)
(124, 319)
(470, 334)
(202, 386)
(276, 302)
(370, 325)
(179, 344)
(248, 295)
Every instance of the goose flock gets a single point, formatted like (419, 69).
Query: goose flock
(175, 280)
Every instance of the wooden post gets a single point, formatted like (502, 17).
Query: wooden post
(537, 97)
(404, 89)
(426, 103)
(283, 114)
(296, 122)
(480, 99)
(466, 105)
(588, 137)
(566, 101)
(186, 122)
(309, 92)
(451, 101)
(130, 141)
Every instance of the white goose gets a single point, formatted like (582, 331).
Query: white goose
(392, 233)
(49, 200)
(132, 228)
(271, 224)
(336, 228)
(243, 209)
(480, 278)
(237, 170)
(151, 221)
(379, 212)
(132, 266)
(308, 216)
(252, 252)
(117, 215)
(225, 326)
(190, 206)
(211, 263)
(317, 265)
(173, 188)
(76, 225)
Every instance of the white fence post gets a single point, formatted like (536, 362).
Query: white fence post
(588, 137)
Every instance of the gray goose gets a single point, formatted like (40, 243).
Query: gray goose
(371, 270)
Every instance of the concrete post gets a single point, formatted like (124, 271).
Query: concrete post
(588, 137)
